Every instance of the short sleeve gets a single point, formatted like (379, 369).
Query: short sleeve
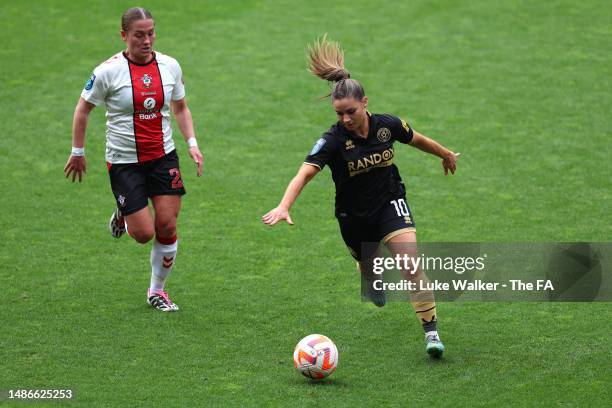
(95, 88)
(402, 132)
(178, 92)
(322, 152)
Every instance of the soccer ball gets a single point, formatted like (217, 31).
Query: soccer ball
(315, 356)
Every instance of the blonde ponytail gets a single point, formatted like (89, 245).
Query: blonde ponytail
(326, 61)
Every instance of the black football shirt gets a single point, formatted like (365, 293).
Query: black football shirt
(362, 169)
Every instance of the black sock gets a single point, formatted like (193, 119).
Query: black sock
(430, 326)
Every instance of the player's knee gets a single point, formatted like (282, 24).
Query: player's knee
(142, 236)
(412, 273)
(165, 227)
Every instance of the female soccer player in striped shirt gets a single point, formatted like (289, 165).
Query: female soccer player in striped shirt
(140, 87)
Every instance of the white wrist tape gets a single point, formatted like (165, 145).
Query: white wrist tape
(78, 151)
(192, 142)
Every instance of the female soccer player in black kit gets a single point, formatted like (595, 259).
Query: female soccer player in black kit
(371, 202)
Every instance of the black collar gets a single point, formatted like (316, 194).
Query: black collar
(136, 63)
(356, 137)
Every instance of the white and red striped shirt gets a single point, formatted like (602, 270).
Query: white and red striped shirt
(137, 99)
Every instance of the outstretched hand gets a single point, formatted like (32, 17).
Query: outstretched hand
(276, 215)
(450, 163)
(75, 166)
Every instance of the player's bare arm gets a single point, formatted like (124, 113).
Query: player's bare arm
(449, 158)
(281, 212)
(183, 117)
(76, 165)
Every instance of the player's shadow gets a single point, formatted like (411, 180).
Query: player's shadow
(326, 382)
(437, 361)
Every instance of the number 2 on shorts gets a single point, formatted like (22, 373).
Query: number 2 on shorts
(176, 182)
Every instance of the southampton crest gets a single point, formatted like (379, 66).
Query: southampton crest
(146, 80)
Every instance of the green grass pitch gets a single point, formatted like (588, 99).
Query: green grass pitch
(521, 88)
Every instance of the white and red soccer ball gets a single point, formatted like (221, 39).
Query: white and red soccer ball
(315, 356)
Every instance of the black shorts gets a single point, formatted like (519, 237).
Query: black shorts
(134, 183)
(362, 236)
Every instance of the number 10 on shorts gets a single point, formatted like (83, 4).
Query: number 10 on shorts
(401, 208)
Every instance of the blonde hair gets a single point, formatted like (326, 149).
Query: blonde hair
(326, 61)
